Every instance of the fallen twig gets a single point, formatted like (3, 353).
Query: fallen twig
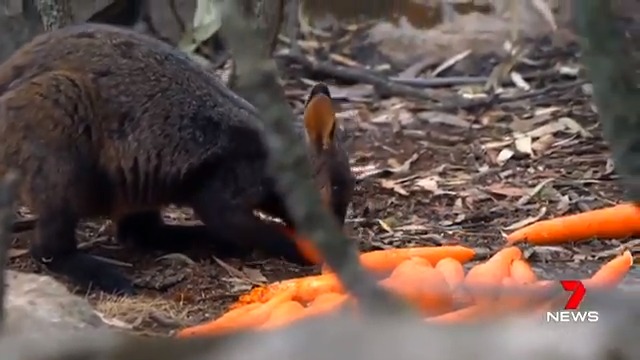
(468, 80)
(383, 84)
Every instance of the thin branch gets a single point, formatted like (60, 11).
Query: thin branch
(383, 84)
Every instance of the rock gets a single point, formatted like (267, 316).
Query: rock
(38, 305)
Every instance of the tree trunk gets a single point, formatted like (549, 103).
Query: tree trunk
(268, 15)
(19, 23)
(55, 14)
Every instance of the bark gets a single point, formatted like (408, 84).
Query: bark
(55, 14)
(615, 92)
(268, 15)
(7, 194)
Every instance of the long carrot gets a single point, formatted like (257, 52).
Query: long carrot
(254, 316)
(386, 260)
(326, 303)
(522, 273)
(518, 296)
(509, 294)
(284, 313)
(305, 289)
(260, 294)
(259, 315)
(501, 261)
(467, 314)
(452, 271)
(227, 320)
(310, 287)
(422, 285)
(507, 255)
(612, 272)
(483, 283)
(304, 245)
(616, 222)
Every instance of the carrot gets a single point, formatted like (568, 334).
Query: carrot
(386, 260)
(542, 297)
(305, 289)
(522, 272)
(211, 327)
(326, 303)
(253, 316)
(259, 294)
(506, 254)
(473, 312)
(422, 285)
(518, 296)
(483, 282)
(284, 313)
(452, 271)
(509, 295)
(310, 287)
(612, 272)
(501, 261)
(616, 222)
(260, 314)
(305, 246)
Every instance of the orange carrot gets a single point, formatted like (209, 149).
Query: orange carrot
(467, 314)
(501, 261)
(452, 271)
(284, 313)
(305, 246)
(507, 254)
(387, 260)
(509, 295)
(419, 261)
(305, 289)
(616, 222)
(542, 297)
(483, 282)
(422, 285)
(517, 296)
(211, 327)
(259, 294)
(260, 314)
(522, 272)
(254, 316)
(325, 303)
(310, 287)
(612, 272)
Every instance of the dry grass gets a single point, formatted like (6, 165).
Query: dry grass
(141, 311)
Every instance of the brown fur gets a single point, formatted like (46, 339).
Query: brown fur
(106, 122)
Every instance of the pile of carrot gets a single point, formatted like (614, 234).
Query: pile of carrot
(614, 222)
(433, 279)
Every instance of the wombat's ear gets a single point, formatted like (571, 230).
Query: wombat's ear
(319, 117)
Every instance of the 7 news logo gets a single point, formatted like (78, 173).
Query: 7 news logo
(571, 312)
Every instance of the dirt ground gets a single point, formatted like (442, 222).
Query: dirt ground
(424, 178)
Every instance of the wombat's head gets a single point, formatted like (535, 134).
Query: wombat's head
(329, 159)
